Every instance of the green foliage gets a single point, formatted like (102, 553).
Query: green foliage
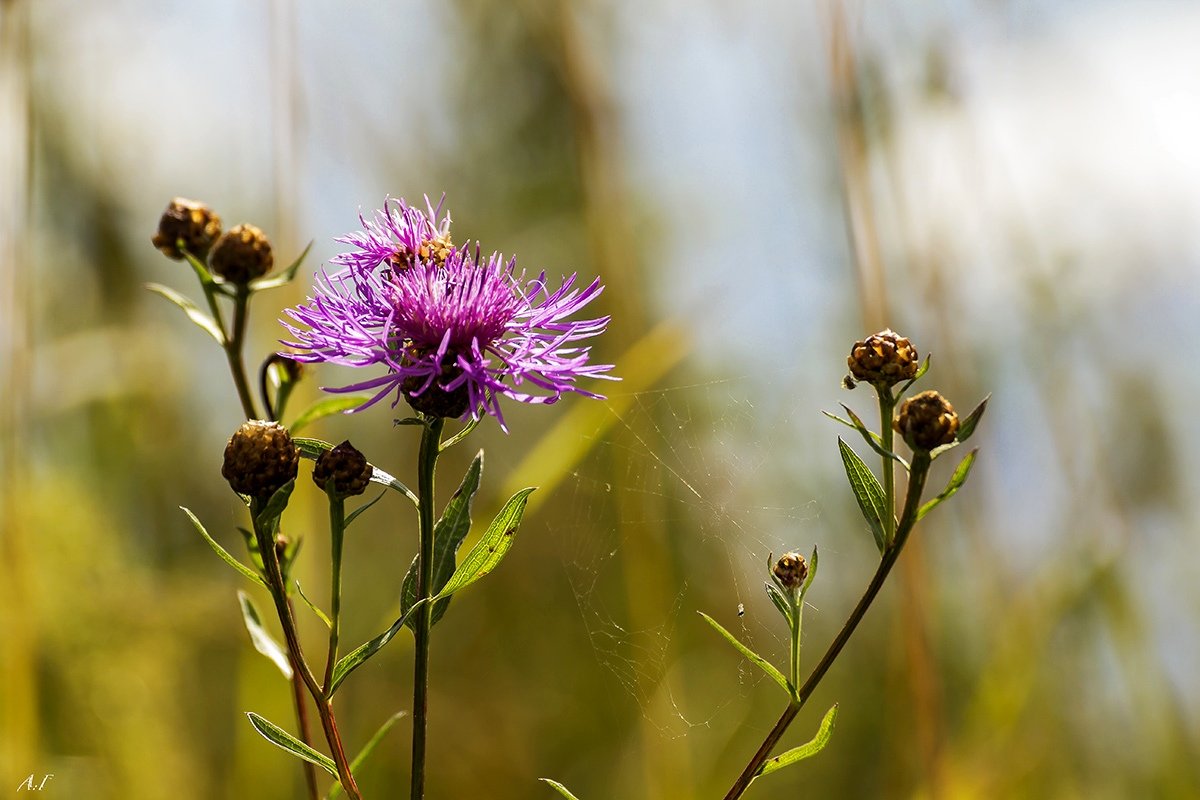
(222, 552)
(267, 518)
(559, 788)
(750, 655)
(867, 492)
(326, 408)
(321, 615)
(335, 791)
(263, 642)
(807, 750)
(284, 740)
(487, 553)
(204, 321)
(359, 656)
(448, 535)
(313, 448)
(282, 277)
(953, 485)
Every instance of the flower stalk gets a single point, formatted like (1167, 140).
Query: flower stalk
(431, 434)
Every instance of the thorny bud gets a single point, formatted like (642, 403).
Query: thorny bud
(242, 254)
(791, 570)
(927, 421)
(883, 359)
(190, 221)
(346, 467)
(260, 458)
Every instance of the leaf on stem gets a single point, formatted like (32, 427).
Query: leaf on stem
(867, 492)
(275, 506)
(357, 657)
(749, 654)
(326, 408)
(967, 426)
(263, 642)
(191, 309)
(487, 553)
(222, 552)
(206, 278)
(559, 788)
(953, 485)
(448, 535)
(313, 448)
(812, 573)
(353, 515)
(808, 750)
(872, 438)
(284, 740)
(314, 607)
(360, 759)
(779, 600)
(920, 371)
(283, 277)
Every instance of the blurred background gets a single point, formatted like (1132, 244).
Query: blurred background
(1014, 185)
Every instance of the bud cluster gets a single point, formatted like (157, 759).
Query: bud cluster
(239, 256)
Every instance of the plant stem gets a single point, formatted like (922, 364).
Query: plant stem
(302, 727)
(274, 579)
(337, 527)
(912, 502)
(427, 461)
(886, 405)
(233, 351)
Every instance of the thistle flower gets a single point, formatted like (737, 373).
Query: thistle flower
(927, 421)
(242, 254)
(260, 458)
(883, 359)
(455, 330)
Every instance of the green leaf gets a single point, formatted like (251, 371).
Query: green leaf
(222, 552)
(867, 491)
(314, 607)
(448, 536)
(920, 372)
(872, 438)
(281, 738)
(326, 408)
(281, 278)
(560, 788)
(357, 657)
(353, 515)
(471, 425)
(263, 642)
(193, 312)
(487, 553)
(368, 748)
(967, 426)
(953, 485)
(814, 746)
(275, 506)
(812, 573)
(313, 448)
(749, 654)
(779, 600)
(206, 278)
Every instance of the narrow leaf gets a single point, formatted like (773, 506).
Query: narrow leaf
(263, 642)
(353, 515)
(967, 426)
(275, 506)
(222, 552)
(487, 553)
(780, 602)
(875, 436)
(357, 657)
(448, 536)
(281, 738)
(326, 408)
(920, 372)
(314, 607)
(281, 278)
(193, 312)
(872, 438)
(749, 654)
(313, 448)
(360, 759)
(560, 788)
(953, 485)
(471, 425)
(867, 491)
(816, 745)
(206, 278)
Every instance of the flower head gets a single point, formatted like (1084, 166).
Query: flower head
(191, 222)
(883, 359)
(454, 329)
(260, 458)
(927, 421)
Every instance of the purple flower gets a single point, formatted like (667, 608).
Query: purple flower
(454, 330)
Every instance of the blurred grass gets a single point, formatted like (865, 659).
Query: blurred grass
(990, 670)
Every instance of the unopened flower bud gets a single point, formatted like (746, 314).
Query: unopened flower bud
(242, 254)
(260, 458)
(883, 359)
(345, 467)
(791, 570)
(194, 223)
(436, 401)
(281, 546)
(927, 421)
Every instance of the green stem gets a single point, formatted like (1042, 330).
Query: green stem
(427, 462)
(912, 503)
(337, 528)
(302, 727)
(887, 405)
(797, 610)
(274, 580)
(233, 351)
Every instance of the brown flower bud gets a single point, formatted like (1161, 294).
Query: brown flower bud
(883, 359)
(194, 223)
(791, 570)
(260, 458)
(242, 254)
(436, 401)
(281, 546)
(346, 467)
(927, 421)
